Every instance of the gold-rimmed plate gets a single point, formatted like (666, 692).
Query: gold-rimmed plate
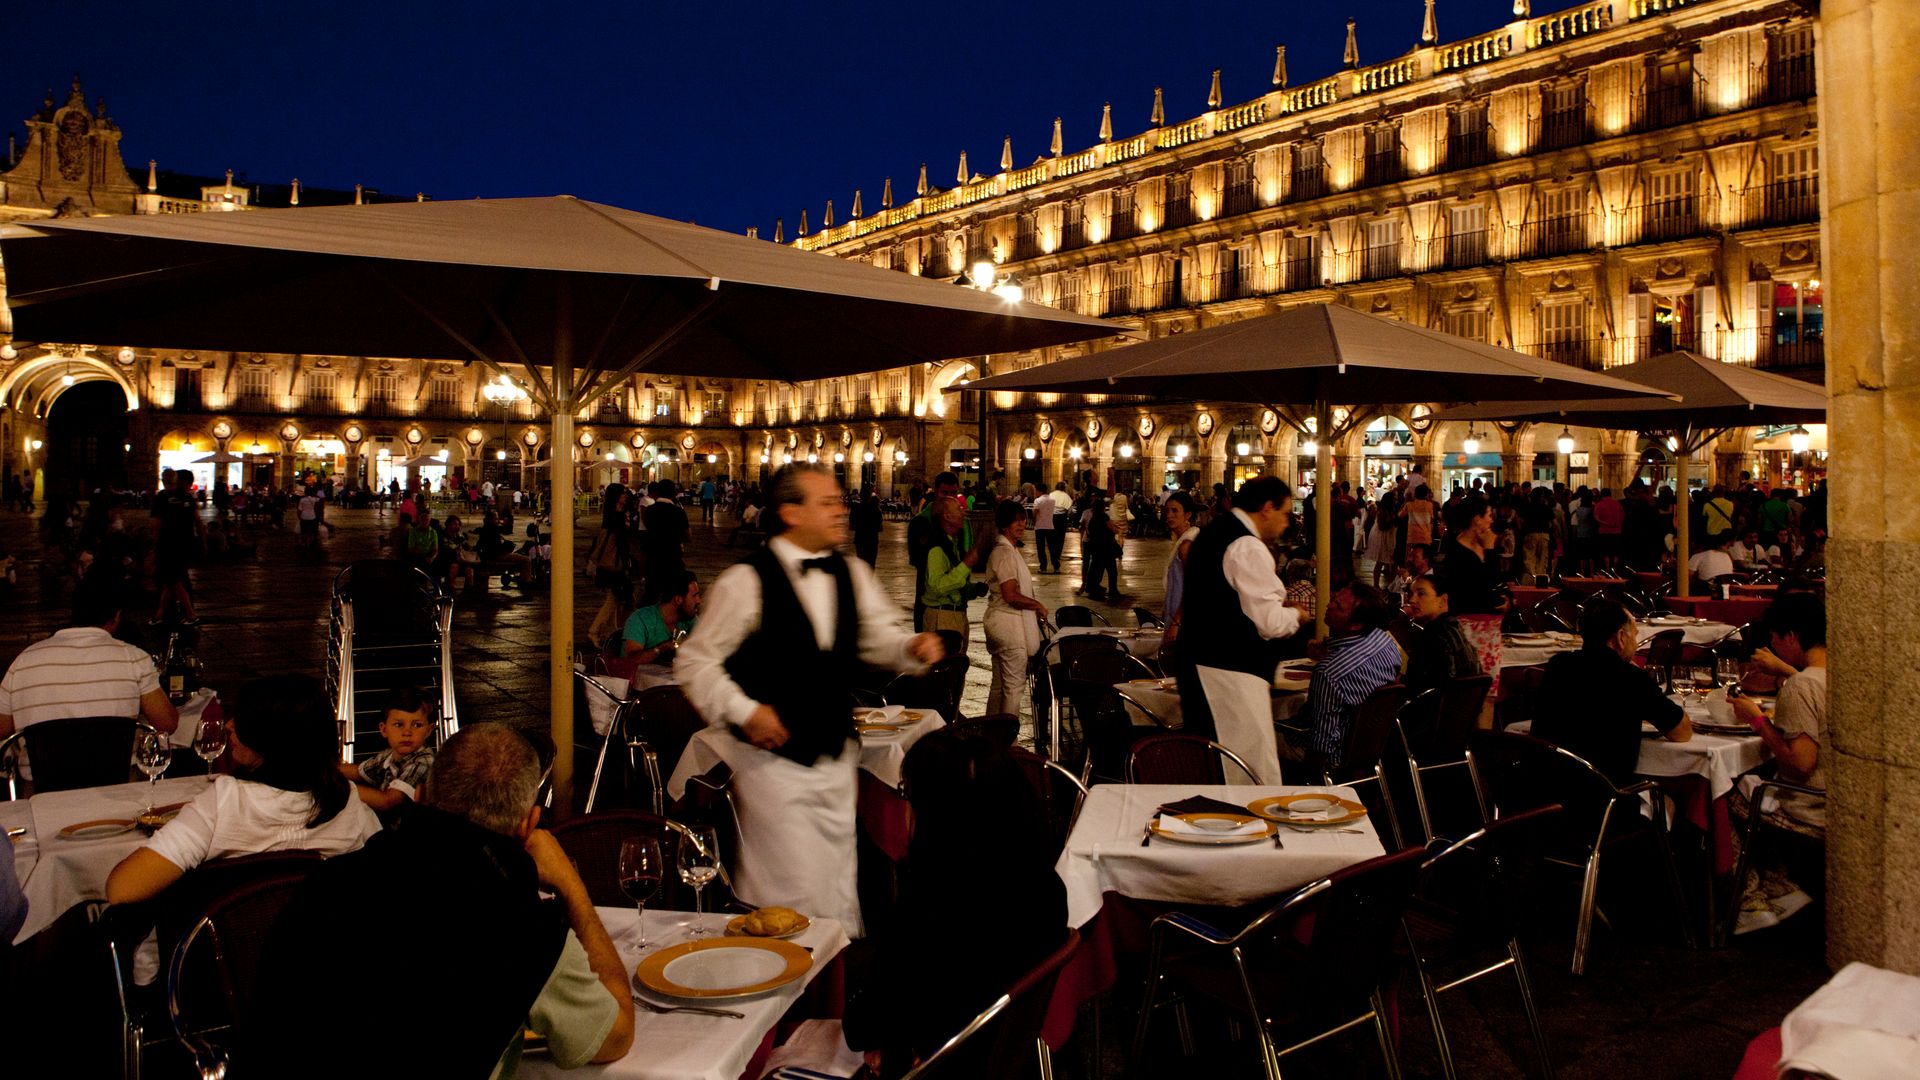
(737, 927)
(98, 829)
(1216, 830)
(715, 969)
(1304, 809)
(876, 731)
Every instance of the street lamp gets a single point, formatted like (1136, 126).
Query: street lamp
(1798, 439)
(505, 393)
(1471, 444)
(1565, 442)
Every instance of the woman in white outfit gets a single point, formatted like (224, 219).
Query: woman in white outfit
(1013, 617)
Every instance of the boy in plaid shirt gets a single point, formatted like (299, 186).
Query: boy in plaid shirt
(394, 776)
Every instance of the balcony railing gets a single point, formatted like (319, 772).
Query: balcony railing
(1586, 353)
(1456, 251)
(1026, 245)
(1808, 355)
(1238, 199)
(1308, 183)
(1299, 273)
(1123, 225)
(1465, 149)
(1788, 202)
(1564, 128)
(1178, 213)
(1667, 106)
(1383, 167)
(1073, 234)
(1790, 78)
(1562, 235)
(1380, 261)
(1661, 220)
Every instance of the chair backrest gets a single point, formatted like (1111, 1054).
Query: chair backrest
(391, 599)
(1515, 772)
(1060, 792)
(1468, 877)
(1105, 667)
(1077, 644)
(1348, 925)
(1001, 1040)
(1001, 729)
(213, 966)
(664, 717)
(1541, 618)
(1663, 651)
(1182, 759)
(1371, 732)
(1461, 701)
(1143, 617)
(88, 751)
(1073, 615)
(939, 688)
(593, 842)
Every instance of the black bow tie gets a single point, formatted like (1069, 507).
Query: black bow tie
(824, 564)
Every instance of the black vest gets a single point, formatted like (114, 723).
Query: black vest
(781, 665)
(1214, 632)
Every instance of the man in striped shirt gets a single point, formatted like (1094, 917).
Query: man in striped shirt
(1360, 658)
(84, 670)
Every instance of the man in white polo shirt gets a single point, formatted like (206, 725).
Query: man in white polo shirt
(84, 670)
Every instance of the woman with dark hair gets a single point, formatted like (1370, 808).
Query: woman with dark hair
(610, 557)
(980, 904)
(1471, 567)
(287, 793)
(1012, 622)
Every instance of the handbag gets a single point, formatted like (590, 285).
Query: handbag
(602, 556)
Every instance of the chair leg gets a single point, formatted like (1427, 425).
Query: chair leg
(1432, 998)
(1532, 1010)
(1146, 1008)
(1046, 1059)
(1380, 1029)
(1183, 1025)
(1673, 882)
(1583, 929)
(599, 766)
(1740, 867)
(1420, 800)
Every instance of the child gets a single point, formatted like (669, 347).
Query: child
(393, 777)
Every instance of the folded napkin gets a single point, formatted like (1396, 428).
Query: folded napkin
(1201, 804)
(1172, 824)
(884, 714)
(1318, 815)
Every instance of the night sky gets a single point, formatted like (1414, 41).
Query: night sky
(729, 114)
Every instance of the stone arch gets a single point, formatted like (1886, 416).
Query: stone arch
(32, 385)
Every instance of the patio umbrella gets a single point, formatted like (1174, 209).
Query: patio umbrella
(1706, 398)
(582, 295)
(1323, 355)
(221, 457)
(421, 460)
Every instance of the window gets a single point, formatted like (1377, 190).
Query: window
(716, 403)
(1466, 235)
(897, 390)
(1798, 312)
(1469, 323)
(1563, 332)
(1564, 122)
(610, 404)
(760, 401)
(1309, 171)
(1071, 286)
(1793, 195)
(1120, 289)
(384, 390)
(1303, 262)
(1467, 143)
(663, 401)
(442, 390)
(256, 385)
(1670, 205)
(1179, 203)
(1246, 270)
(1669, 94)
(1121, 225)
(1381, 257)
(1383, 154)
(1562, 225)
(1239, 196)
(1790, 64)
(186, 388)
(321, 387)
(1024, 244)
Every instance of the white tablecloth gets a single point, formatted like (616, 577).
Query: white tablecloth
(1722, 759)
(1512, 655)
(56, 874)
(1103, 853)
(1143, 643)
(1165, 704)
(688, 1046)
(880, 755)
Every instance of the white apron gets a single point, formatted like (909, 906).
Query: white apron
(1242, 707)
(797, 845)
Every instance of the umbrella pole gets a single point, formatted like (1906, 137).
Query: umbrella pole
(560, 506)
(1323, 520)
(1682, 523)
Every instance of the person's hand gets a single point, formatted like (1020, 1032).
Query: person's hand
(765, 730)
(550, 862)
(926, 648)
(1040, 609)
(1317, 648)
(1747, 710)
(1772, 664)
(874, 1059)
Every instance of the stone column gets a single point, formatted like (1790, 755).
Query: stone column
(1516, 468)
(1153, 474)
(1870, 131)
(1615, 471)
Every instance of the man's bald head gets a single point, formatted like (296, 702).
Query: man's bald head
(488, 774)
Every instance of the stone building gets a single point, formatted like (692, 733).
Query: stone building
(1593, 186)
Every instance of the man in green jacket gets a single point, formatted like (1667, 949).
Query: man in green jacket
(949, 574)
(922, 532)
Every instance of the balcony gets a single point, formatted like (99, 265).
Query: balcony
(1123, 225)
(1463, 249)
(1026, 246)
(1662, 220)
(1465, 149)
(1790, 78)
(1178, 213)
(1308, 183)
(1565, 234)
(1380, 261)
(1564, 128)
(1800, 359)
(1667, 106)
(1301, 273)
(1238, 199)
(1230, 285)
(1788, 202)
(1384, 167)
(1073, 235)
(1588, 354)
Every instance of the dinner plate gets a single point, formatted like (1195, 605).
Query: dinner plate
(98, 829)
(1708, 727)
(1220, 825)
(736, 927)
(1533, 640)
(714, 969)
(1285, 807)
(1668, 620)
(876, 731)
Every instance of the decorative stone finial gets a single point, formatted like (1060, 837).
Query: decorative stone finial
(803, 223)
(419, 196)
(1351, 57)
(753, 232)
(1159, 108)
(229, 179)
(1213, 93)
(779, 230)
(357, 195)
(1058, 143)
(1280, 66)
(1430, 29)
(857, 215)
(1006, 154)
(921, 188)
(1106, 122)
(1522, 9)
(962, 176)
(153, 175)
(886, 194)
(295, 201)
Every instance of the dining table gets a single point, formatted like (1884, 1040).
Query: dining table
(1140, 641)
(1734, 611)
(696, 1046)
(1156, 702)
(57, 872)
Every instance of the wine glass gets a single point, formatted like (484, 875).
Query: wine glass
(699, 864)
(152, 753)
(640, 872)
(210, 742)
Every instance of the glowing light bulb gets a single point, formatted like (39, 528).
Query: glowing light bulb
(1029, 453)
(1310, 448)
(499, 455)
(1565, 442)
(1126, 450)
(1471, 445)
(66, 380)
(1799, 440)
(1243, 449)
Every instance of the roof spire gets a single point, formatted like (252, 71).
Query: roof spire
(1280, 66)
(856, 215)
(229, 179)
(1006, 154)
(1213, 94)
(803, 223)
(1057, 141)
(1106, 122)
(1522, 8)
(1351, 57)
(886, 194)
(826, 222)
(753, 232)
(1159, 108)
(963, 167)
(358, 192)
(921, 188)
(153, 175)
(296, 192)
(1430, 29)
(779, 230)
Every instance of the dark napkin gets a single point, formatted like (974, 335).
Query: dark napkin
(1201, 804)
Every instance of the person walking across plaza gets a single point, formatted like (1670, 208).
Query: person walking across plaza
(1230, 577)
(1045, 525)
(949, 572)
(782, 635)
(707, 496)
(1012, 623)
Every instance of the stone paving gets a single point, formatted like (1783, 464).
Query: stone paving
(1650, 1007)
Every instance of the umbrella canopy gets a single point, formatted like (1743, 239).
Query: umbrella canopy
(1323, 354)
(221, 457)
(420, 460)
(1706, 397)
(582, 295)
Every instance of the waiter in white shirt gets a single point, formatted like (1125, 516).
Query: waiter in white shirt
(1237, 607)
(782, 634)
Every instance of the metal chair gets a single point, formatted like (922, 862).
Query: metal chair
(1336, 934)
(390, 628)
(1182, 759)
(222, 948)
(79, 752)
(1364, 757)
(1144, 618)
(1078, 615)
(593, 841)
(938, 689)
(1100, 705)
(1752, 837)
(1435, 734)
(1514, 773)
(1001, 729)
(999, 1040)
(1464, 906)
(1061, 792)
(1663, 651)
(619, 726)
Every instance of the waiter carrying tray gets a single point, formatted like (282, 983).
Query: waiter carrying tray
(782, 636)
(1235, 608)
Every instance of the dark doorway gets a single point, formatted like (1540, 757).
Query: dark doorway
(86, 439)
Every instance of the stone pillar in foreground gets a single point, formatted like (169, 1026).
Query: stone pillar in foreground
(1869, 62)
